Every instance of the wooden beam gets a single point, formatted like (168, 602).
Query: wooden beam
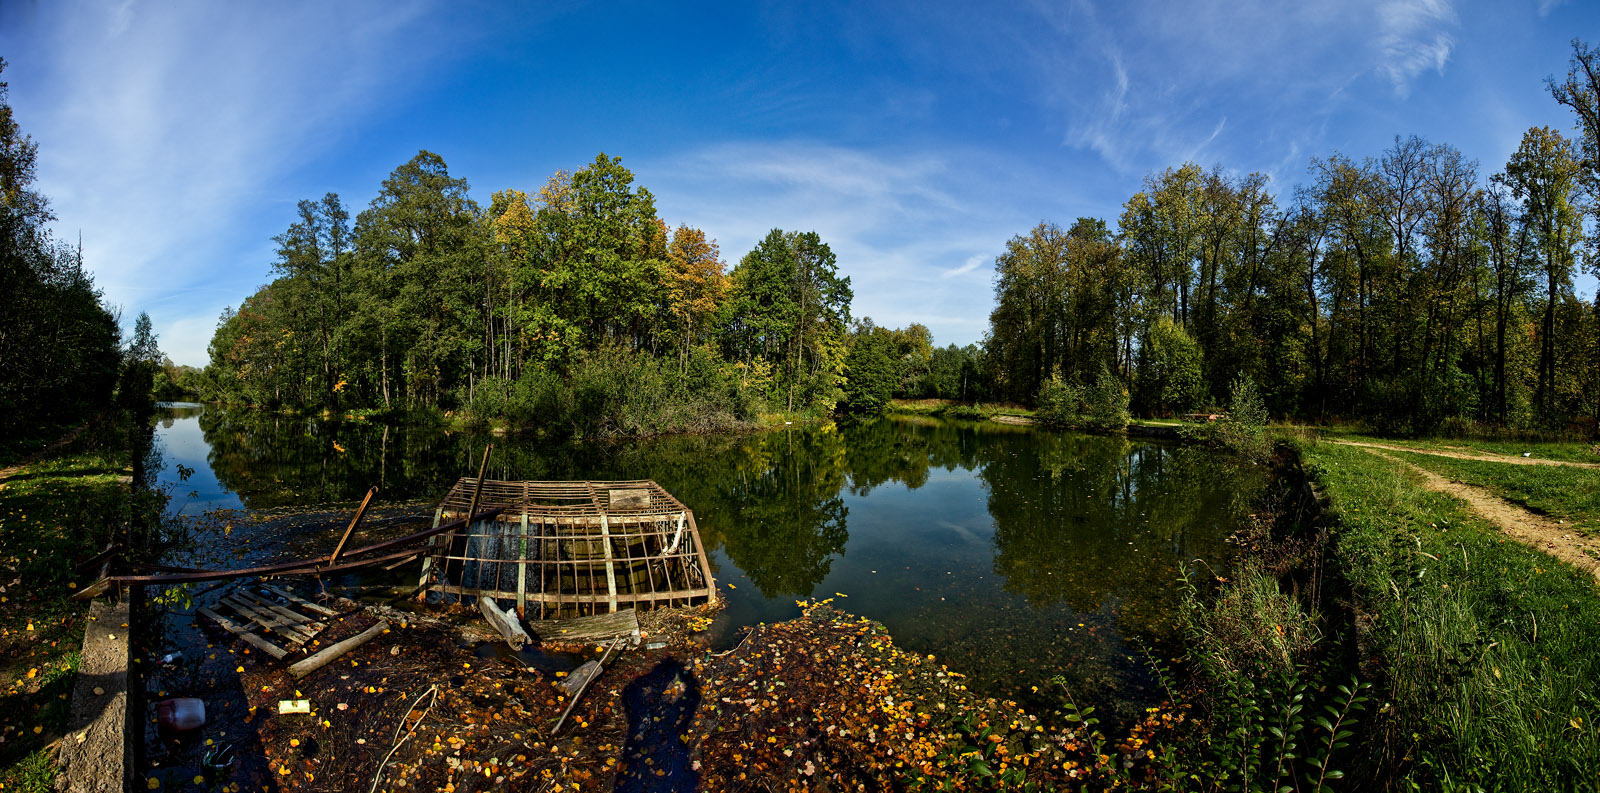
(330, 653)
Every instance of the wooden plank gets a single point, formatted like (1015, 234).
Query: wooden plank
(700, 549)
(522, 562)
(611, 571)
(330, 653)
(300, 601)
(631, 498)
(295, 617)
(586, 629)
(269, 620)
(427, 561)
(228, 625)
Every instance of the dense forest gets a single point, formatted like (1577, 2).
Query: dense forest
(1409, 289)
(576, 309)
(61, 352)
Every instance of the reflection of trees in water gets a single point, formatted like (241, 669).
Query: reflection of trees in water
(274, 460)
(785, 523)
(1080, 520)
(770, 501)
(1084, 520)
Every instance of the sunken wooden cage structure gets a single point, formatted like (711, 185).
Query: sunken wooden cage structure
(563, 549)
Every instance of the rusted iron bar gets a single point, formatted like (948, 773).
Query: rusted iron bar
(98, 558)
(308, 566)
(361, 512)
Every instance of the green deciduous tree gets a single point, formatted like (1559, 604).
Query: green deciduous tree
(871, 370)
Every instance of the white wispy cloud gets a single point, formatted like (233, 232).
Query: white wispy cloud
(1413, 37)
(971, 264)
(162, 125)
(913, 229)
(1150, 83)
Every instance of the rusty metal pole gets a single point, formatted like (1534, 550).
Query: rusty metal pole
(361, 512)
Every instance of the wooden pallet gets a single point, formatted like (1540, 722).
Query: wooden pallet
(258, 611)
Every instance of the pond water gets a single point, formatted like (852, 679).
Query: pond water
(1014, 554)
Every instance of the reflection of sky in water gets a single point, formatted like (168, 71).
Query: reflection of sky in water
(184, 443)
(1012, 554)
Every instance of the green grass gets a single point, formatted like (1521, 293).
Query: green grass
(1570, 451)
(52, 512)
(950, 408)
(1484, 648)
(1571, 495)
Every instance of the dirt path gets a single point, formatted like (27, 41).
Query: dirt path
(1526, 527)
(66, 438)
(1488, 458)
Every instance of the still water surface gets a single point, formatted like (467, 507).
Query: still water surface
(1014, 554)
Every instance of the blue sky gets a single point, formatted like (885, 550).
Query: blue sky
(915, 137)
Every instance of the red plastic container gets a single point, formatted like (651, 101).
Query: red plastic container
(181, 715)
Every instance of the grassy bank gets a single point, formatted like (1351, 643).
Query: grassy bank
(62, 507)
(1569, 494)
(950, 408)
(1481, 649)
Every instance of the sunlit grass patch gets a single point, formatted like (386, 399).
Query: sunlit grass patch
(1484, 645)
(52, 512)
(1567, 493)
